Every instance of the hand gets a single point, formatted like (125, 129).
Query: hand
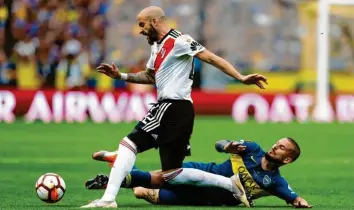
(109, 70)
(254, 79)
(234, 147)
(301, 203)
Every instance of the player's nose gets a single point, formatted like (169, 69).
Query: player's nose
(275, 147)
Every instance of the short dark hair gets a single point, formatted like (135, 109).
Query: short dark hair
(295, 153)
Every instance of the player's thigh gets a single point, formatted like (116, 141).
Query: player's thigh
(177, 123)
(219, 197)
(181, 195)
(148, 130)
(172, 155)
(143, 140)
(175, 133)
(145, 132)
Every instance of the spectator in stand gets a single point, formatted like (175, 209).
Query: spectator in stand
(47, 61)
(24, 62)
(4, 13)
(73, 68)
(7, 75)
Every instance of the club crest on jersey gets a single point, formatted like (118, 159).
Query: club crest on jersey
(163, 51)
(266, 180)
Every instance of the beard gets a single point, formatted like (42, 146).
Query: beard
(273, 160)
(151, 35)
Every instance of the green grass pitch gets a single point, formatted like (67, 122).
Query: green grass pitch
(324, 174)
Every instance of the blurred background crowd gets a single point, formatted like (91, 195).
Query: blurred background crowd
(58, 43)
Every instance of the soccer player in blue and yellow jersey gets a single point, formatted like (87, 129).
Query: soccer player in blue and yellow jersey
(258, 171)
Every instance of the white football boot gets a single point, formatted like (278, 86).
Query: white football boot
(240, 192)
(100, 204)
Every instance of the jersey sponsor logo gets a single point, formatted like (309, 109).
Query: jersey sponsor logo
(194, 45)
(250, 185)
(267, 180)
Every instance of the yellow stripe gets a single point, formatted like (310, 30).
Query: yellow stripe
(250, 185)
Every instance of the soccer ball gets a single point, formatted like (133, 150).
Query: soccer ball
(50, 188)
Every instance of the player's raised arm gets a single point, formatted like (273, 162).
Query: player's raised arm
(237, 147)
(143, 77)
(229, 146)
(227, 68)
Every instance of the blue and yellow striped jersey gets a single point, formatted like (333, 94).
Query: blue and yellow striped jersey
(257, 181)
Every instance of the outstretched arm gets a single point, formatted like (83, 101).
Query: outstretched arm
(301, 203)
(143, 77)
(282, 190)
(228, 69)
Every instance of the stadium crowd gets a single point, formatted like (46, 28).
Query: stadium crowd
(56, 42)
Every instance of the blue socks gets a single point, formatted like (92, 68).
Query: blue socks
(137, 178)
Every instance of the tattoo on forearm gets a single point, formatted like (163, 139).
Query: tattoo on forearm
(152, 196)
(143, 77)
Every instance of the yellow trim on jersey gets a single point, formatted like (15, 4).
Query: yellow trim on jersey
(250, 185)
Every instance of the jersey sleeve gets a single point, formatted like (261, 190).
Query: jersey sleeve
(250, 146)
(186, 45)
(282, 190)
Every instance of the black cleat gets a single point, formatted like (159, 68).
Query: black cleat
(250, 200)
(99, 182)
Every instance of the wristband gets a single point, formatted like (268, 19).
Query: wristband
(123, 76)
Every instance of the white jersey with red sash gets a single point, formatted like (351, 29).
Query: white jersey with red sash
(172, 60)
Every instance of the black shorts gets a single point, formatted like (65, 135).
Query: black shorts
(168, 126)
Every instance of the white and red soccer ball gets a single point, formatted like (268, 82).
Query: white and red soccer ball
(50, 188)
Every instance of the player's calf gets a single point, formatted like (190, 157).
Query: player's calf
(150, 195)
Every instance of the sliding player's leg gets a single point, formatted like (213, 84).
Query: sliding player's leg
(175, 195)
(196, 177)
(152, 179)
(194, 174)
(186, 195)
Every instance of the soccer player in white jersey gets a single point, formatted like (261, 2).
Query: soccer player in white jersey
(169, 123)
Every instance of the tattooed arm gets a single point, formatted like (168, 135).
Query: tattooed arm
(143, 77)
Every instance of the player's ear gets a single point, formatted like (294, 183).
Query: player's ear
(153, 22)
(287, 160)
